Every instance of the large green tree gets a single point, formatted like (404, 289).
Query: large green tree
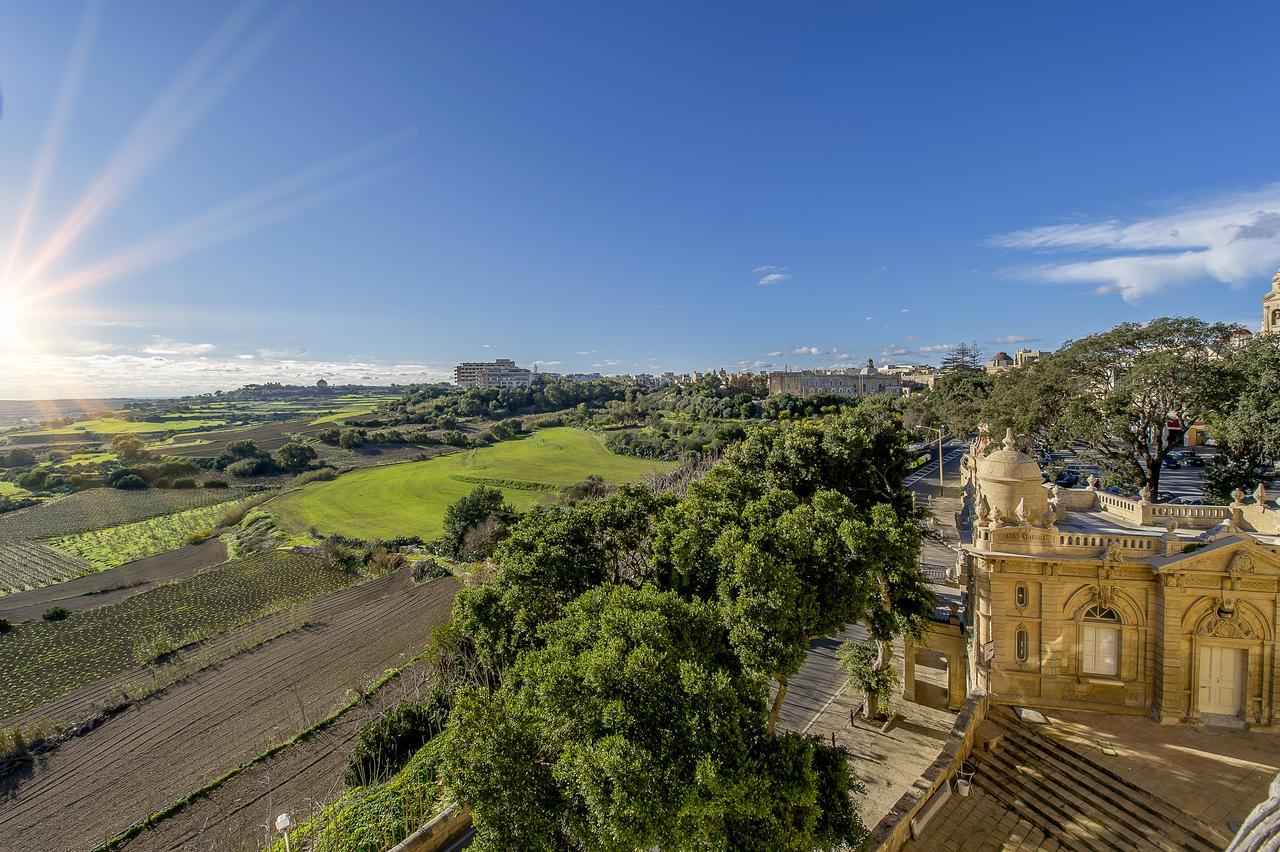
(1248, 425)
(636, 727)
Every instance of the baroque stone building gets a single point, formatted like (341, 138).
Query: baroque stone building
(1271, 308)
(1084, 599)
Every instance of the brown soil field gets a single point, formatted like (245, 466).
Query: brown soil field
(237, 815)
(115, 584)
(157, 751)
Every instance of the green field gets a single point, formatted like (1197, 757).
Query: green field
(115, 426)
(95, 508)
(12, 489)
(411, 498)
(45, 659)
(112, 546)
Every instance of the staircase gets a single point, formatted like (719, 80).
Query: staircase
(1077, 802)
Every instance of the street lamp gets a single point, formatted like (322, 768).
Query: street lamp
(940, 433)
(284, 822)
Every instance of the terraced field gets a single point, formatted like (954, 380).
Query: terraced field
(26, 565)
(411, 498)
(116, 426)
(96, 508)
(112, 546)
(41, 660)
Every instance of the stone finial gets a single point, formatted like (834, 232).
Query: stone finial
(1009, 442)
(1094, 482)
(1237, 496)
(1021, 510)
(1147, 494)
(984, 509)
(1260, 494)
(997, 517)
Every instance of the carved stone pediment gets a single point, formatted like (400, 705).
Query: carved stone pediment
(1240, 564)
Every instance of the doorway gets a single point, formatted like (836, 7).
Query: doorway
(1221, 680)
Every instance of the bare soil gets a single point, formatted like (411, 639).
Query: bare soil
(154, 753)
(116, 584)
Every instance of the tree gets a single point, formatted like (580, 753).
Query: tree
(963, 356)
(296, 456)
(127, 446)
(1248, 426)
(351, 439)
(635, 727)
(470, 511)
(1115, 392)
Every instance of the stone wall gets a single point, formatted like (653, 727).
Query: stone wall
(894, 830)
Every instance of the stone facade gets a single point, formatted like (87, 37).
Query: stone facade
(1088, 600)
(1271, 308)
(866, 382)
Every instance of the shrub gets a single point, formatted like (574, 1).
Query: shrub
(56, 613)
(858, 660)
(429, 569)
(197, 537)
(162, 482)
(216, 483)
(5, 625)
(130, 482)
(184, 483)
(256, 466)
(453, 438)
(387, 743)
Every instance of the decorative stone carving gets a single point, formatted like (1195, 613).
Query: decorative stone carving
(1240, 565)
(1104, 595)
(1021, 510)
(997, 517)
(984, 510)
(1114, 555)
(1237, 497)
(1146, 495)
(1226, 624)
(1094, 482)
(1260, 494)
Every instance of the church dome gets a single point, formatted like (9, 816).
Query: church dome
(869, 370)
(1011, 482)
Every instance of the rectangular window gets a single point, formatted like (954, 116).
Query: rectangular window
(1101, 652)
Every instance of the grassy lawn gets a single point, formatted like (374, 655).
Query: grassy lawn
(353, 411)
(411, 498)
(112, 546)
(11, 489)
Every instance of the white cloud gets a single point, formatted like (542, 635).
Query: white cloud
(894, 351)
(771, 275)
(245, 357)
(44, 375)
(166, 346)
(775, 354)
(1015, 338)
(937, 347)
(88, 347)
(843, 356)
(586, 352)
(547, 363)
(1234, 239)
(807, 350)
(905, 310)
(612, 362)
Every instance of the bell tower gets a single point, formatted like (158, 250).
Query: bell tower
(1271, 308)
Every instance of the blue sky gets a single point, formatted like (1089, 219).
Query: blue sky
(384, 189)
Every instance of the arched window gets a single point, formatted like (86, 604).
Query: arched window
(1100, 640)
(1020, 595)
(1275, 317)
(1021, 645)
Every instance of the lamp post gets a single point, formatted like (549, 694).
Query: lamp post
(940, 434)
(284, 822)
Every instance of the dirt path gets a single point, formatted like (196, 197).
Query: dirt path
(156, 752)
(115, 584)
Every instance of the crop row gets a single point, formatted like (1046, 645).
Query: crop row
(40, 661)
(96, 508)
(28, 565)
(112, 546)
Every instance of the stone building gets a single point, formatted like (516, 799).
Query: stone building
(1271, 308)
(806, 383)
(1083, 599)
(502, 373)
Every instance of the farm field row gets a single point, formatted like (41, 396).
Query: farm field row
(96, 508)
(94, 786)
(26, 565)
(411, 498)
(43, 660)
(111, 546)
(103, 588)
(116, 426)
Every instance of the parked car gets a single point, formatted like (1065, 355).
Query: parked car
(1171, 462)
(1193, 460)
(1188, 501)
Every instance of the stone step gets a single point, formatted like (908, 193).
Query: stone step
(1068, 807)
(1127, 821)
(1011, 793)
(1148, 809)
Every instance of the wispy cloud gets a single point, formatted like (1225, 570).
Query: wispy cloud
(936, 347)
(771, 274)
(1010, 339)
(807, 350)
(1234, 239)
(166, 346)
(541, 363)
(586, 352)
(894, 351)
